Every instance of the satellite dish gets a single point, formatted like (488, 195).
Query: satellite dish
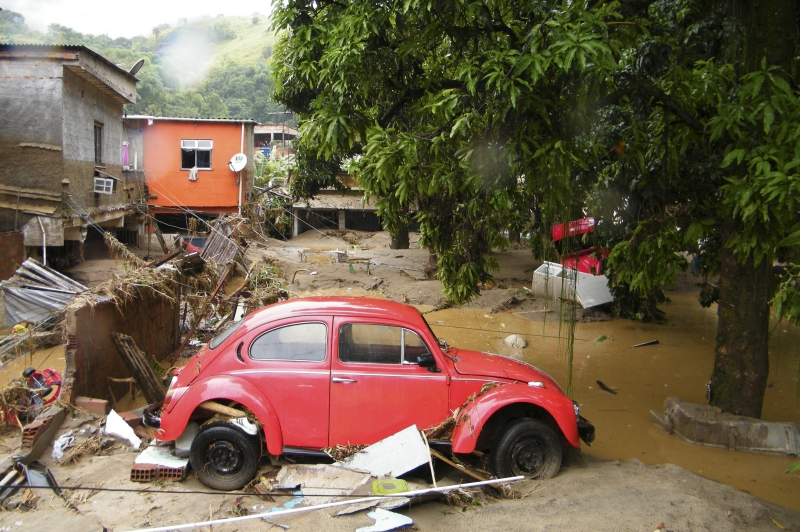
(238, 162)
(136, 66)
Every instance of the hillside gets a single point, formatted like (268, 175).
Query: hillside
(213, 67)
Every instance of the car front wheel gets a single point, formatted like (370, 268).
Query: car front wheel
(527, 447)
(224, 456)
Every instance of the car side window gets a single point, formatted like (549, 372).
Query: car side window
(379, 344)
(299, 342)
(413, 347)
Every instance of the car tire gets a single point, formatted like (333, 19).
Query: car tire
(527, 447)
(224, 456)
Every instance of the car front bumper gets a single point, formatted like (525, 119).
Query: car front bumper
(585, 430)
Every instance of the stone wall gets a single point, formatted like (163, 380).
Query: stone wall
(151, 321)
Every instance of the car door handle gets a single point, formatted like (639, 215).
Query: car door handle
(343, 381)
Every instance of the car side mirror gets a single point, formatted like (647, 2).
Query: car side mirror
(427, 361)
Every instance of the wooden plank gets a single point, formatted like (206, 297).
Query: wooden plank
(213, 406)
(136, 361)
(461, 468)
(200, 315)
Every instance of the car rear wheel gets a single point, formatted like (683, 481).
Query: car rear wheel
(224, 456)
(527, 447)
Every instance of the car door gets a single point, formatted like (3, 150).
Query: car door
(377, 388)
(289, 361)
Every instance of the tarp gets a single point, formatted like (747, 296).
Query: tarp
(35, 291)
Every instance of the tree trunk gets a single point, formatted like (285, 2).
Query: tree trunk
(400, 239)
(741, 358)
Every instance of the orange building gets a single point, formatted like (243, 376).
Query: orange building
(185, 162)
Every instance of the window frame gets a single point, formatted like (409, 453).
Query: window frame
(293, 324)
(403, 329)
(194, 145)
(98, 143)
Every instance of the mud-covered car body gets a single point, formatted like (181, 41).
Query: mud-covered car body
(322, 371)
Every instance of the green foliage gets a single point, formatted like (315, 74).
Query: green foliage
(795, 467)
(467, 111)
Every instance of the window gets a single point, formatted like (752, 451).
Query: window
(379, 344)
(302, 341)
(221, 337)
(98, 143)
(196, 153)
(103, 185)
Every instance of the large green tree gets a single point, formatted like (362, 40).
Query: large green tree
(675, 121)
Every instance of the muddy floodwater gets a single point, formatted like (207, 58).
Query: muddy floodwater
(49, 357)
(680, 365)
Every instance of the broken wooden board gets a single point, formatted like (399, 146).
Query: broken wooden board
(417, 275)
(149, 381)
(390, 457)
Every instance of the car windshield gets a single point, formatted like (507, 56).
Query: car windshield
(430, 330)
(221, 337)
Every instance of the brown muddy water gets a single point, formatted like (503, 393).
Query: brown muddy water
(50, 357)
(680, 365)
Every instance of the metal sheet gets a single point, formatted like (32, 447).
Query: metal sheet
(35, 291)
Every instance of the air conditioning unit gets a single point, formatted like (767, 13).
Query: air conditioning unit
(103, 185)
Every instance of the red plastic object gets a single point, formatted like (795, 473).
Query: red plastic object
(574, 228)
(588, 260)
(46, 377)
(319, 403)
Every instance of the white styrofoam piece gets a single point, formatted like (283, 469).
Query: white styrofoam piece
(160, 456)
(593, 291)
(391, 457)
(385, 521)
(183, 443)
(117, 427)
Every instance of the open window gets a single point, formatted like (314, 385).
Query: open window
(379, 344)
(196, 154)
(98, 144)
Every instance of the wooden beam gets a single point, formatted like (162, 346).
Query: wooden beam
(136, 361)
(461, 468)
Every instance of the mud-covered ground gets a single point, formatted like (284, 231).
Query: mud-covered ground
(588, 494)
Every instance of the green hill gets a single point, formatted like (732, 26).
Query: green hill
(215, 67)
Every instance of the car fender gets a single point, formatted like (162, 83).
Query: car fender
(472, 419)
(222, 388)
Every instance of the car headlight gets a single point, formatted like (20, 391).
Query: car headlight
(577, 409)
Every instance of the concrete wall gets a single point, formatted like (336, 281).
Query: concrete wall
(30, 131)
(216, 190)
(84, 106)
(151, 322)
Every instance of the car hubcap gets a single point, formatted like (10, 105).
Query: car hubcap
(527, 456)
(224, 457)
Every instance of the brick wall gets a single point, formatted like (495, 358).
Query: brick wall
(12, 251)
(150, 321)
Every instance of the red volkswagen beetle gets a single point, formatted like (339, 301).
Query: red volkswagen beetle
(322, 371)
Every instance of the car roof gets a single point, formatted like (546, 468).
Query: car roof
(337, 306)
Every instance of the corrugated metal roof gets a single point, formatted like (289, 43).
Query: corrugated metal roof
(181, 119)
